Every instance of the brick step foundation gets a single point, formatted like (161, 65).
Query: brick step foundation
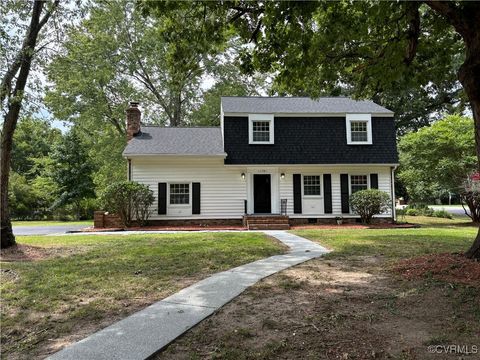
(260, 222)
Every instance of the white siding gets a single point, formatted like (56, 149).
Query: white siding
(286, 186)
(223, 190)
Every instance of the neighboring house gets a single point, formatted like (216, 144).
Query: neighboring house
(289, 156)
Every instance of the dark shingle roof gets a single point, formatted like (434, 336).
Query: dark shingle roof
(176, 141)
(300, 105)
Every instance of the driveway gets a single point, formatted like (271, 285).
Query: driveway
(45, 229)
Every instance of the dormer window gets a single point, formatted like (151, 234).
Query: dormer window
(359, 129)
(260, 128)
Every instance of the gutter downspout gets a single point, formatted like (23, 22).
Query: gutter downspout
(392, 181)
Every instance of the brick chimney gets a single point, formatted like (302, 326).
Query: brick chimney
(133, 120)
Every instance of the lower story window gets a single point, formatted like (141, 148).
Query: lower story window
(179, 194)
(311, 185)
(358, 182)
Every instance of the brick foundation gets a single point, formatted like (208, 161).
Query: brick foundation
(101, 219)
(307, 221)
(196, 222)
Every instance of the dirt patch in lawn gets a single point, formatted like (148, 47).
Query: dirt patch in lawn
(454, 268)
(351, 308)
(22, 252)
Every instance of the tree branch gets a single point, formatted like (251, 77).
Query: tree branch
(413, 31)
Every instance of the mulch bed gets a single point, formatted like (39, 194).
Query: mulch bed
(164, 228)
(453, 268)
(241, 228)
(355, 226)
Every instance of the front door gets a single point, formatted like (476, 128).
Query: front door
(262, 199)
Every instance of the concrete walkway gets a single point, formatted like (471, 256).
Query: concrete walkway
(146, 332)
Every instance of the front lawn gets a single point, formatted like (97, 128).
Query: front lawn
(59, 289)
(350, 304)
(435, 235)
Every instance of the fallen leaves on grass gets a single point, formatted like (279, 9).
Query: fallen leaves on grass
(453, 268)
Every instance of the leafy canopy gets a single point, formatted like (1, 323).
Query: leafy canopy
(437, 158)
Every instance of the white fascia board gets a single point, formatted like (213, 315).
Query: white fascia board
(342, 115)
(128, 156)
(310, 165)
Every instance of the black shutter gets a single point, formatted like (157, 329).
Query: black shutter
(373, 181)
(327, 193)
(344, 193)
(297, 193)
(196, 198)
(162, 198)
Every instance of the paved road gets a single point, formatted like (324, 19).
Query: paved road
(45, 230)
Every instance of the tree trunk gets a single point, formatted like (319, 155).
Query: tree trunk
(469, 76)
(14, 105)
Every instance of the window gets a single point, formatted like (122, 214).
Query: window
(260, 129)
(179, 194)
(358, 182)
(359, 129)
(311, 185)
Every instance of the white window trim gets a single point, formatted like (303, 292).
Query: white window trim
(350, 181)
(358, 117)
(189, 195)
(312, 196)
(260, 117)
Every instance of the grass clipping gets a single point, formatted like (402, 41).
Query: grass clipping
(452, 268)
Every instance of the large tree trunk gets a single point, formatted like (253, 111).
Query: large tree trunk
(14, 99)
(469, 76)
(465, 19)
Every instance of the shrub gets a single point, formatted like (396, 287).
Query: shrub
(367, 203)
(411, 212)
(128, 200)
(442, 214)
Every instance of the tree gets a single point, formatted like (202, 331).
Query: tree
(12, 89)
(33, 139)
(370, 48)
(72, 172)
(137, 63)
(438, 158)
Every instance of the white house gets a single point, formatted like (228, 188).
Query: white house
(290, 156)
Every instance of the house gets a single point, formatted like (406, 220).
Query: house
(279, 160)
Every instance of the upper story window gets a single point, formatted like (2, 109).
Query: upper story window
(311, 185)
(359, 129)
(179, 194)
(260, 128)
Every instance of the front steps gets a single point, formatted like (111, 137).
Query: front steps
(266, 222)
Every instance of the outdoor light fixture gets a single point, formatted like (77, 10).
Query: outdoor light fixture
(243, 176)
(282, 176)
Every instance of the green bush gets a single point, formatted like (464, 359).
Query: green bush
(442, 214)
(130, 200)
(411, 212)
(367, 203)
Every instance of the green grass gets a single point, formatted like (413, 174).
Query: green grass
(92, 277)
(52, 223)
(434, 235)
